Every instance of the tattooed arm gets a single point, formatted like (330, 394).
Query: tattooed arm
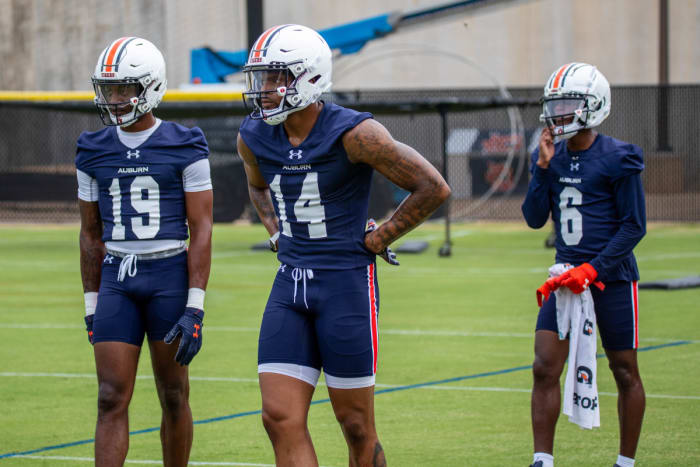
(258, 189)
(92, 250)
(370, 143)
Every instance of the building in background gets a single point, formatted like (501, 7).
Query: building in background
(50, 45)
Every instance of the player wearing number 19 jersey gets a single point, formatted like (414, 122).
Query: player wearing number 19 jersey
(309, 165)
(144, 187)
(591, 185)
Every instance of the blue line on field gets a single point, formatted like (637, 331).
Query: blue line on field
(322, 401)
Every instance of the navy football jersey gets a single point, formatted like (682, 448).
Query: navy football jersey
(596, 201)
(141, 194)
(320, 197)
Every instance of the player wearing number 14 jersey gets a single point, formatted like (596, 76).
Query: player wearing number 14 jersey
(143, 186)
(309, 165)
(591, 185)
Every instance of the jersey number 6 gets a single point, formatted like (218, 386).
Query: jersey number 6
(570, 219)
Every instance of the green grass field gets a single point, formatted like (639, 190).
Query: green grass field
(471, 316)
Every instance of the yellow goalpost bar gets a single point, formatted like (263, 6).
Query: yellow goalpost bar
(174, 95)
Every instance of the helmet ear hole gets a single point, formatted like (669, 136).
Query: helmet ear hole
(314, 79)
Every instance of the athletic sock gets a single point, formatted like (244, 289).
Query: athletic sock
(547, 459)
(623, 461)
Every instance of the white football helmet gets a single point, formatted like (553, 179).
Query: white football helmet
(291, 62)
(576, 96)
(129, 80)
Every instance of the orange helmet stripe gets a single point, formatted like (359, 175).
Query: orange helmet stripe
(258, 46)
(555, 85)
(109, 63)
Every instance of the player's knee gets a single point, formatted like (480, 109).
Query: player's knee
(355, 428)
(545, 371)
(626, 376)
(112, 398)
(173, 397)
(277, 421)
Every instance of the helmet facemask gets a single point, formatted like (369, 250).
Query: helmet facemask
(272, 91)
(121, 102)
(566, 114)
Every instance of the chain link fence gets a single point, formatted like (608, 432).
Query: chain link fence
(483, 152)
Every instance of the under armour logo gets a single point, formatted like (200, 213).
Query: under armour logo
(133, 154)
(573, 166)
(108, 259)
(282, 267)
(295, 154)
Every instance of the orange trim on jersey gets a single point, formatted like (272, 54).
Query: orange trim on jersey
(261, 41)
(373, 316)
(635, 304)
(112, 52)
(555, 85)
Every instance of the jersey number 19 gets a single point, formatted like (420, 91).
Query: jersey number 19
(145, 199)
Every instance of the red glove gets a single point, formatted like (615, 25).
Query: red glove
(580, 278)
(550, 285)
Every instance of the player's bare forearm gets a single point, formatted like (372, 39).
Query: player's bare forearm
(199, 259)
(199, 207)
(371, 143)
(262, 201)
(92, 249)
(258, 189)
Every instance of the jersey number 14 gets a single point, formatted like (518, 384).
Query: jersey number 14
(307, 209)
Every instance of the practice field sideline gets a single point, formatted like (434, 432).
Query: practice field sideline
(454, 364)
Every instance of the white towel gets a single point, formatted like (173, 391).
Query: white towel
(576, 318)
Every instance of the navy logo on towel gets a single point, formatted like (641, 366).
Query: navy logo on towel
(584, 375)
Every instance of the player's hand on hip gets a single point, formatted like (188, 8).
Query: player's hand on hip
(189, 326)
(386, 254)
(546, 148)
(88, 326)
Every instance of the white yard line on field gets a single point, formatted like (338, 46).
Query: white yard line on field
(396, 332)
(321, 383)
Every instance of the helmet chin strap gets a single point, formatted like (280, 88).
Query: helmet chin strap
(134, 107)
(565, 136)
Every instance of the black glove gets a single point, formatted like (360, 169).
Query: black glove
(190, 326)
(88, 326)
(388, 255)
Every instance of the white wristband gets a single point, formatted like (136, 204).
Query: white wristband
(90, 303)
(273, 241)
(195, 298)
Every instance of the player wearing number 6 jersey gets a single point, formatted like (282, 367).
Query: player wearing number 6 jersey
(591, 185)
(309, 165)
(143, 185)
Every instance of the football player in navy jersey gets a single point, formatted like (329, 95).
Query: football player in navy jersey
(309, 165)
(143, 185)
(591, 185)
